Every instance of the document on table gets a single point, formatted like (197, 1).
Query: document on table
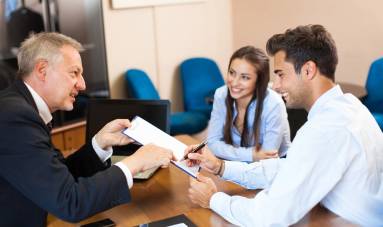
(145, 133)
(176, 221)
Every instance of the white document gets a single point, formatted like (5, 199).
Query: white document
(178, 225)
(145, 133)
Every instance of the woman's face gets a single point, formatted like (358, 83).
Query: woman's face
(241, 80)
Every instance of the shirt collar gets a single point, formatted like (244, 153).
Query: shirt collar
(42, 107)
(328, 95)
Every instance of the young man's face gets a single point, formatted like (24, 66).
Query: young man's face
(288, 83)
(64, 80)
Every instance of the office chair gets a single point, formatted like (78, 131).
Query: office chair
(141, 87)
(374, 99)
(200, 78)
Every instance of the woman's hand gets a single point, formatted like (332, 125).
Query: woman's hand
(262, 154)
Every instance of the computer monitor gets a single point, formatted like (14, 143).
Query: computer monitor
(102, 111)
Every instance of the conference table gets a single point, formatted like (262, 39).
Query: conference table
(165, 195)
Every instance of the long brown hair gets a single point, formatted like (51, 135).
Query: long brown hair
(260, 61)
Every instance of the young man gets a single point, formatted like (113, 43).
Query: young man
(34, 177)
(336, 158)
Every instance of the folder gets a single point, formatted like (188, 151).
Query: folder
(145, 133)
(176, 221)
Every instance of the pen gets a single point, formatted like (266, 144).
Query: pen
(197, 148)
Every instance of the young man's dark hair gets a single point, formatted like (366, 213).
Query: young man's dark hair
(307, 43)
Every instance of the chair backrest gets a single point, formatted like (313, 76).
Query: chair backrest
(200, 78)
(374, 84)
(139, 85)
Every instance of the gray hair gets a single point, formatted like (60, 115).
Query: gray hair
(44, 45)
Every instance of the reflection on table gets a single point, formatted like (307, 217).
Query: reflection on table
(165, 195)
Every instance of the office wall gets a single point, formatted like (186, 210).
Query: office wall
(356, 26)
(157, 39)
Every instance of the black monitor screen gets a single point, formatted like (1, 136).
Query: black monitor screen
(102, 111)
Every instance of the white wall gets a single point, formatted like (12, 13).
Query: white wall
(157, 39)
(356, 26)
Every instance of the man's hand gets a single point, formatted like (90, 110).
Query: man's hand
(262, 154)
(110, 134)
(201, 190)
(147, 157)
(205, 158)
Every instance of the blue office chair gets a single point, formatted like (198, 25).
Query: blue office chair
(374, 84)
(200, 78)
(141, 87)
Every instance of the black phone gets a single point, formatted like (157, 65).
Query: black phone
(101, 223)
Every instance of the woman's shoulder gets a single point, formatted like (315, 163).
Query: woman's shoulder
(221, 92)
(272, 99)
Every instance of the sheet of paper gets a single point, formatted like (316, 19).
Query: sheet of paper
(178, 225)
(145, 133)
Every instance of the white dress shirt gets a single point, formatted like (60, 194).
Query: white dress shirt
(336, 159)
(104, 155)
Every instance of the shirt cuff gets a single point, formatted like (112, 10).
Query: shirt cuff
(127, 173)
(248, 154)
(101, 153)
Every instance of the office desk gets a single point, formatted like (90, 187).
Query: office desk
(165, 195)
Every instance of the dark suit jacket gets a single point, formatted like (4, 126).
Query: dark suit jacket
(36, 179)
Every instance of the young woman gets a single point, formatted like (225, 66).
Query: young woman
(248, 121)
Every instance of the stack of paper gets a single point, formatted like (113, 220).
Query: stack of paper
(145, 133)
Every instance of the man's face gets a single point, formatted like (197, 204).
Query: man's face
(288, 83)
(64, 80)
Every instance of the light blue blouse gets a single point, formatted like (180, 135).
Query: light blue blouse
(274, 128)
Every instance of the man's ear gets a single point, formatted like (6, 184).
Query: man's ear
(309, 69)
(41, 68)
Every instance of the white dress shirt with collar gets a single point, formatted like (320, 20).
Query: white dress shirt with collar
(336, 159)
(104, 155)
